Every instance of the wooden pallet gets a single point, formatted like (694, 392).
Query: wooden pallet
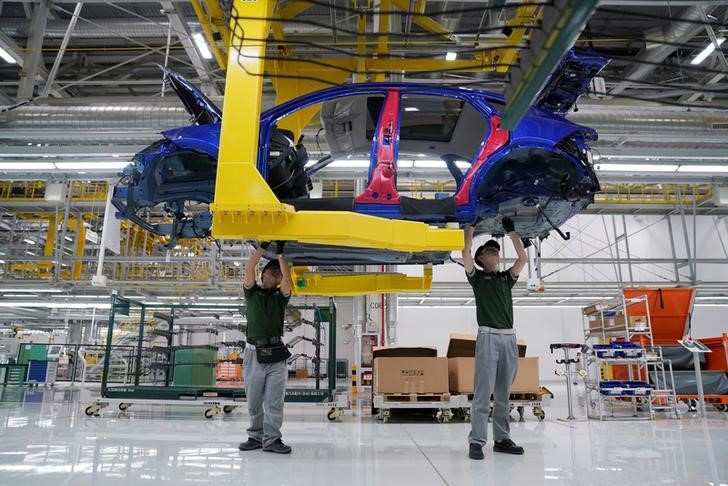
(415, 397)
(530, 397)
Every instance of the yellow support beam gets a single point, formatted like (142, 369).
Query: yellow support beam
(207, 23)
(426, 23)
(361, 48)
(313, 283)
(245, 206)
(363, 68)
(525, 14)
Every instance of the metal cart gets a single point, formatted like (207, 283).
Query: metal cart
(154, 369)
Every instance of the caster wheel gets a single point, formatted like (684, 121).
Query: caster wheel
(332, 415)
(722, 407)
(209, 413)
(539, 413)
(458, 414)
(124, 406)
(228, 409)
(92, 410)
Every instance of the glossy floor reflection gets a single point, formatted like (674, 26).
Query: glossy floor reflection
(46, 439)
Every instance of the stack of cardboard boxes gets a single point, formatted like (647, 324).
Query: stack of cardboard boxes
(402, 370)
(600, 320)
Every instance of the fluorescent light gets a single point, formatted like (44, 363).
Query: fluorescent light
(202, 46)
(462, 164)
(411, 108)
(451, 56)
(28, 241)
(6, 56)
(636, 167)
(90, 165)
(26, 166)
(706, 52)
(703, 168)
(35, 291)
(350, 164)
(56, 305)
(405, 164)
(429, 164)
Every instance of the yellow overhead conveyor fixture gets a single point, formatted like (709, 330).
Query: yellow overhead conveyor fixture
(344, 285)
(245, 206)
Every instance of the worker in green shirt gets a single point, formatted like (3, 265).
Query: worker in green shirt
(265, 369)
(496, 351)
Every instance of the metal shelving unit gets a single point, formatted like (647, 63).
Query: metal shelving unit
(608, 398)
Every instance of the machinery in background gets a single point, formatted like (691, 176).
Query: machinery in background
(28, 363)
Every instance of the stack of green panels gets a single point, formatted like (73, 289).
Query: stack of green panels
(194, 366)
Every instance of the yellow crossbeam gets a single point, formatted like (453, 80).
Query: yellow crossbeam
(525, 14)
(312, 283)
(427, 23)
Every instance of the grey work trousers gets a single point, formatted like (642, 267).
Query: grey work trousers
(265, 387)
(496, 364)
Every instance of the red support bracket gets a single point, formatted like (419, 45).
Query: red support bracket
(497, 138)
(382, 188)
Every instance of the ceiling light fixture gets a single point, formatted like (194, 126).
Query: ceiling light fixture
(90, 165)
(451, 56)
(636, 167)
(35, 291)
(703, 168)
(26, 166)
(7, 57)
(707, 51)
(202, 46)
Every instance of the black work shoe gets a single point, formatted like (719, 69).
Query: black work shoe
(476, 452)
(507, 446)
(250, 445)
(278, 447)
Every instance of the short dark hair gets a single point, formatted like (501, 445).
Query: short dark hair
(272, 265)
(488, 244)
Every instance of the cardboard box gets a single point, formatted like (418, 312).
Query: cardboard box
(410, 375)
(618, 324)
(461, 362)
(461, 346)
(527, 379)
(301, 374)
(594, 309)
(461, 374)
(404, 352)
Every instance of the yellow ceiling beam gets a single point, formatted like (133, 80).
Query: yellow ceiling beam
(526, 14)
(426, 23)
(338, 285)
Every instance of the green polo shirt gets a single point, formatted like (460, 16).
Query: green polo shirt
(264, 311)
(493, 299)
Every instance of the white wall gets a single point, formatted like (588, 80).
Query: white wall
(538, 327)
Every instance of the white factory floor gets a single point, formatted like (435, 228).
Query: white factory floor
(45, 438)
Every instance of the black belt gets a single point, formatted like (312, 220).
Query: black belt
(266, 341)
